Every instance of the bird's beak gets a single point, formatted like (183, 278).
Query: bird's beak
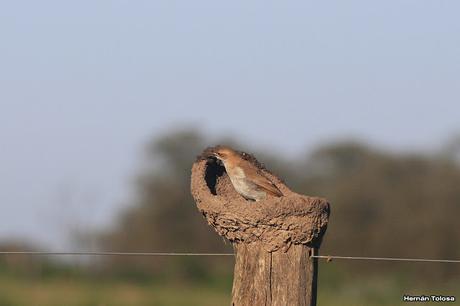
(216, 155)
(218, 158)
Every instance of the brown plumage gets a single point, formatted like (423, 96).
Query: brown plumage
(247, 179)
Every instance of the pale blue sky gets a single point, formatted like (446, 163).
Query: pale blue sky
(84, 85)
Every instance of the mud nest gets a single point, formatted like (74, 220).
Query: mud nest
(275, 222)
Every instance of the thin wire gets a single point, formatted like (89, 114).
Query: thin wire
(112, 253)
(327, 257)
(386, 259)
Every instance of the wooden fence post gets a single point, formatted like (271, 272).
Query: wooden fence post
(273, 239)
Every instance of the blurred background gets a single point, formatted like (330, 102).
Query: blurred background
(105, 104)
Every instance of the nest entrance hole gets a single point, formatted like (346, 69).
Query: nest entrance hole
(214, 170)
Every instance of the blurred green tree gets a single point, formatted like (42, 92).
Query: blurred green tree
(163, 216)
(383, 204)
(396, 205)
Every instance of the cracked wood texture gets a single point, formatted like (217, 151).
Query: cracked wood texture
(273, 238)
(274, 278)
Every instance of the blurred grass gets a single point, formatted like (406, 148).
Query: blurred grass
(336, 287)
(87, 292)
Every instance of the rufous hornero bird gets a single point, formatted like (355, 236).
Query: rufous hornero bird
(247, 179)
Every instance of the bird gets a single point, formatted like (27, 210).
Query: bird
(246, 178)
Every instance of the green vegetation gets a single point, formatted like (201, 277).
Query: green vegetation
(15, 291)
(337, 287)
(383, 204)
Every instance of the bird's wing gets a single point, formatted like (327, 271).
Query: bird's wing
(262, 182)
(268, 186)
